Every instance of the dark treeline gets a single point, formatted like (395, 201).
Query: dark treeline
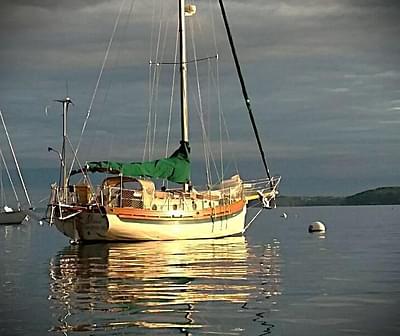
(378, 196)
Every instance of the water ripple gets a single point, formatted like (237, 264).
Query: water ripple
(213, 286)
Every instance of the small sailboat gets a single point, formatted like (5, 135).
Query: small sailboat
(8, 214)
(129, 205)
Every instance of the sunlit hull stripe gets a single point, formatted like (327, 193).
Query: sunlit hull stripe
(133, 213)
(176, 220)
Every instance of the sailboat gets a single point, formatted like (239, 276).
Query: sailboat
(128, 205)
(8, 214)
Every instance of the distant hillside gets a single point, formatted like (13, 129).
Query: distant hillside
(384, 195)
(379, 196)
(309, 200)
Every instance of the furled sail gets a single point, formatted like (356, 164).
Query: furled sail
(175, 168)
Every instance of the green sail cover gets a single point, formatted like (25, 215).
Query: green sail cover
(176, 168)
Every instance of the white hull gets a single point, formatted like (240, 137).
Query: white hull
(14, 217)
(93, 226)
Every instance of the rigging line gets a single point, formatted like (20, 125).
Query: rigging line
(255, 205)
(206, 149)
(200, 107)
(148, 117)
(188, 62)
(162, 53)
(156, 84)
(220, 112)
(206, 145)
(153, 85)
(86, 176)
(220, 121)
(116, 62)
(98, 81)
(155, 115)
(228, 137)
(197, 71)
(77, 159)
(172, 94)
(209, 89)
(252, 220)
(15, 161)
(150, 98)
(243, 86)
(3, 200)
(209, 95)
(152, 88)
(206, 137)
(2, 194)
(216, 81)
(206, 141)
(9, 177)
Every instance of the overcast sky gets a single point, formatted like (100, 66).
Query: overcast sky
(323, 76)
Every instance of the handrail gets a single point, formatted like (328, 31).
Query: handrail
(264, 183)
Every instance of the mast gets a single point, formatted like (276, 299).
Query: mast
(183, 75)
(15, 161)
(3, 160)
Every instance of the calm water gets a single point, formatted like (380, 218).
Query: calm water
(278, 280)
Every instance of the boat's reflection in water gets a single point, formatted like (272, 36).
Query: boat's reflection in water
(173, 287)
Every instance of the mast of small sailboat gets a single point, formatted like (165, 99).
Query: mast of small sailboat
(15, 161)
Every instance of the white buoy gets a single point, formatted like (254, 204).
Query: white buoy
(317, 227)
(284, 215)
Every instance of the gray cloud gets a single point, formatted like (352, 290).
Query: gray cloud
(50, 4)
(324, 80)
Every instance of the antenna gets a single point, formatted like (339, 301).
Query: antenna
(66, 102)
(66, 88)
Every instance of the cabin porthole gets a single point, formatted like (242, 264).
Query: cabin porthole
(194, 205)
(154, 207)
